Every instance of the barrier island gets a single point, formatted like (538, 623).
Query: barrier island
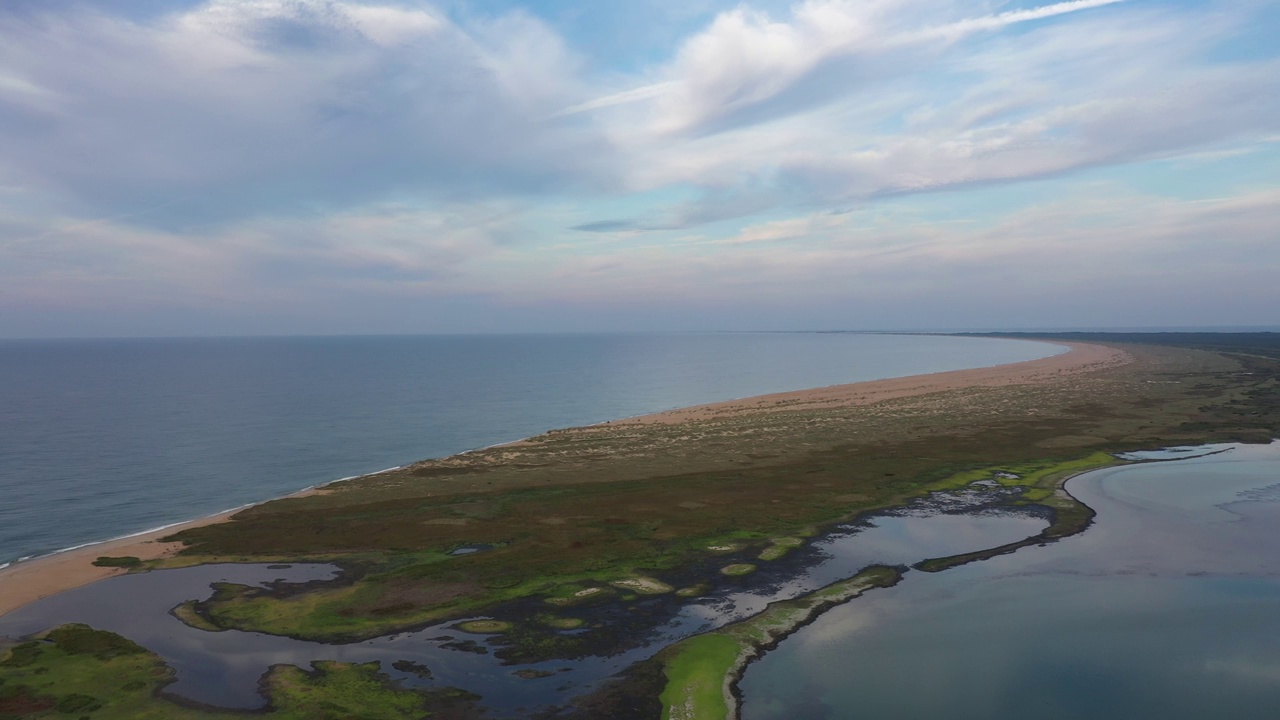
(521, 545)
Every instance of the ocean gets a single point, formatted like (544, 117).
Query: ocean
(107, 437)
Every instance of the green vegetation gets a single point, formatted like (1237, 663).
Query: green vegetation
(738, 569)
(567, 596)
(1042, 478)
(697, 678)
(700, 671)
(1041, 482)
(484, 627)
(780, 547)
(123, 561)
(561, 623)
(643, 586)
(335, 690)
(76, 671)
(189, 613)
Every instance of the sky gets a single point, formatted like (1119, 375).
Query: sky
(245, 167)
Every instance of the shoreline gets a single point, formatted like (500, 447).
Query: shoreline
(72, 567)
(22, 583)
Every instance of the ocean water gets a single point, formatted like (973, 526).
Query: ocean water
(101, 438)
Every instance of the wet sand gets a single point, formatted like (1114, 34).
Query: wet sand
(29, 581)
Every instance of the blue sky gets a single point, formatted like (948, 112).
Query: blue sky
(323, 166)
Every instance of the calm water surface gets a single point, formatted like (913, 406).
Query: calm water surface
(1168, 607)
(99, 438)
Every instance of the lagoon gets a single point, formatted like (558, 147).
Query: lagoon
(1167, 607)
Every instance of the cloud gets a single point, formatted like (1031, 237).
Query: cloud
(961, 28)
(605, 226)
(338, 154)
(844, 103)
(804, 228)
(384, 250)
(646, 92)
(232, 109)
(746, 58)
(227, 110)
(1135, 251)
(1098, 255)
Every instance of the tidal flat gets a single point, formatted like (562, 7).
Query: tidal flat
(574, 522)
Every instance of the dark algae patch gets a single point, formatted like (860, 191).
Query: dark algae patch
(413, 668)
(124, 561)
(591, 537)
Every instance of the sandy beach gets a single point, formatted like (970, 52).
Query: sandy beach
(1081, 358)
(26, 582)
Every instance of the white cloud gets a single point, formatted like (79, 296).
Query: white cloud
(390, 25)
(829, 108)
(1122, 244)
(385, 250)
(803, 228)
(746, 57)
(241, 108)
(286, 152)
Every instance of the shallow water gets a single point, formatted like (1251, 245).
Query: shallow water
(99, 438)
(1167, 607)
(223, 668)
